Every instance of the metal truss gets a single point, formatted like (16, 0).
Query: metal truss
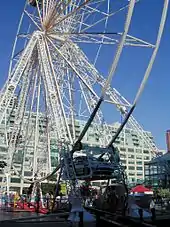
(55, 84)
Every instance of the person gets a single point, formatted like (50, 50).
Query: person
(47, 200)
(51, 201)
(152, 209)
(37, 199)
(140, 211)
(76, 208)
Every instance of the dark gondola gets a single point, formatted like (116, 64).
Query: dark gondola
(93, 169)
(34, 2)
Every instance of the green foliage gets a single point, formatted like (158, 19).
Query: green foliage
(165, 193)
(47, 187)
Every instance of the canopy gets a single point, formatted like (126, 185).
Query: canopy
(140, 189)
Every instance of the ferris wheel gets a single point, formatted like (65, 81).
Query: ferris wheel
(54, 82)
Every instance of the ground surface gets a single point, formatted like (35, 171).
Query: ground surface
(7, 219)
(13, 215)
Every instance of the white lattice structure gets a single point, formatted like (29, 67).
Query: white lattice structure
(54, 82)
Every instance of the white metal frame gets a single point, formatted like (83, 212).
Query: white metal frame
(51, 67)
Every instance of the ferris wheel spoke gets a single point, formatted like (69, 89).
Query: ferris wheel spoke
(61, 10)
(72, 101)
(108, 39)
(50, 92)
(19, 117)
(7, 96)
(59, 95)
(88, 13)
(48, 108)
(87, 68)
(32, 19)
(93, 24)
(37, 123)
(101, 38)
(39, 13)
(60, 108)
(28, 135)
(90, 102)
(72, 66)
(90, 39)
(99, 126)
(105, 27)
(119, 101)
(90, 10)
(73, 12)
(50, 15)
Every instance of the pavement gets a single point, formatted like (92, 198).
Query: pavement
(13, 215)
(27, 219)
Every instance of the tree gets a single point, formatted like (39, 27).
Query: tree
(47, 187)
(164, 193)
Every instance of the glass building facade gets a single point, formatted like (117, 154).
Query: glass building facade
(157, 172)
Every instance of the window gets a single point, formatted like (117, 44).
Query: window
(27, 173)
(15, 180)
(139, 181)
(54, 161)
(134, 135)
(139, 174)
(139, 168)
(146, 158)
(147, 172)
(117, 141)
(131, 167)
(123, 149)
(139, 162)
(122, 155)
(2, 157)
(135, 140)
(130, 149)
(131, 174)
(139, 151)
(146, 152)
(131, 156)
(131, 162)
(113, 132)
(127, 131)
(139, 157)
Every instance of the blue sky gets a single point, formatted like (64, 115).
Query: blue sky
(153, 110)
